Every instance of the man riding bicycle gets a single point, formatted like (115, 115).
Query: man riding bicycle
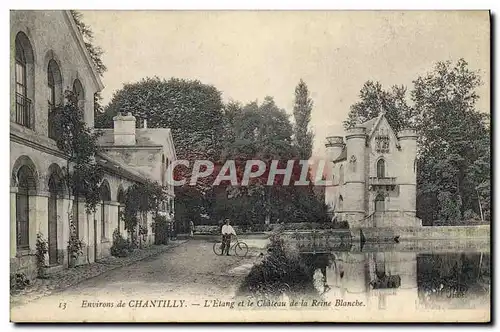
(227, 232)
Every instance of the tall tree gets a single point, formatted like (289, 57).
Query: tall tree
(374, 99)
(454, 144)
(302, 115)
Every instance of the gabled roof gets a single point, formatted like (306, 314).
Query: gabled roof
(81, 43)
(372, 125)
(369, 124)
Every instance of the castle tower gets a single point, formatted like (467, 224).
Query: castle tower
(408, 178)
(334, 146)
(354, 178)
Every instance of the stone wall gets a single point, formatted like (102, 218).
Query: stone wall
(423, 233)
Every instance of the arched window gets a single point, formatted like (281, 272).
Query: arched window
(341, 203)
(79, 94)
(380, 203)
(415, 166)
(381, 168)
(26, 183)
(341, 174)
(24, 78)
(54, 92)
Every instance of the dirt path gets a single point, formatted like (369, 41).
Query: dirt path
(190, 270)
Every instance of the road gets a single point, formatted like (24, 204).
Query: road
(190, 272)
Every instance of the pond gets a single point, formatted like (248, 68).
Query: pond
(403, 277)
(392, 279)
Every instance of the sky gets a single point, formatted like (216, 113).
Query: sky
(253, 54)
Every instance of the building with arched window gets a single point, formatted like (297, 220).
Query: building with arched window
(376, 171)
(49, 58)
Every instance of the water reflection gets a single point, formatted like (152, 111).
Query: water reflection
(401, 280)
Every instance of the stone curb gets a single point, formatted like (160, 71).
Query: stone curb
(110, 267)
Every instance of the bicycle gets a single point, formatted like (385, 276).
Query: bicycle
(240, 248)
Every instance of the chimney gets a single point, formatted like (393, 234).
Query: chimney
(124, 129)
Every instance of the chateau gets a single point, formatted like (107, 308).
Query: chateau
(374, 175)
(48, 56)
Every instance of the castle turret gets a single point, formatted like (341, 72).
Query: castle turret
(408, 178)
(334, 145)
(124, 129)
(354, 179)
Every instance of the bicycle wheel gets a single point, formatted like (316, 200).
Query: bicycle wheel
(218, 248)
(241, 249)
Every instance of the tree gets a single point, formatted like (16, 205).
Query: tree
(374, 99)
(194, 113)
(263, 132)
(191, 109)
(302, 114)
(79, 143)
(454, 144)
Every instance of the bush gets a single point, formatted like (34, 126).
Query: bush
(282, 272)
(41, 252)
(18, 281)
(121, 247)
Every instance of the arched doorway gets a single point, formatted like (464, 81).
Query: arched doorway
(121, 207)
(26, 186)
(105, 196)
(380, 203)
(55, 190)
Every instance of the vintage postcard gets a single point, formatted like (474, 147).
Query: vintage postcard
(250, 166)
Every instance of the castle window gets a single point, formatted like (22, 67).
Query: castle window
(415, 166)
(341, 203)
(382, 143)
(381, 168)
(341, 174)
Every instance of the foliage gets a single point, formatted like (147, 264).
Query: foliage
(302, 114)
(79, 143)
(454, 144)
(120, 247)
(41, 252)
(75, 245)
(374, 99)
(18, 281)
(191, 109)
(143, 230)
(263, 132)
(281, 272)
(160, 226)
(142, 197)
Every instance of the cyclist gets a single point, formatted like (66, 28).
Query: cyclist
(227, 232)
